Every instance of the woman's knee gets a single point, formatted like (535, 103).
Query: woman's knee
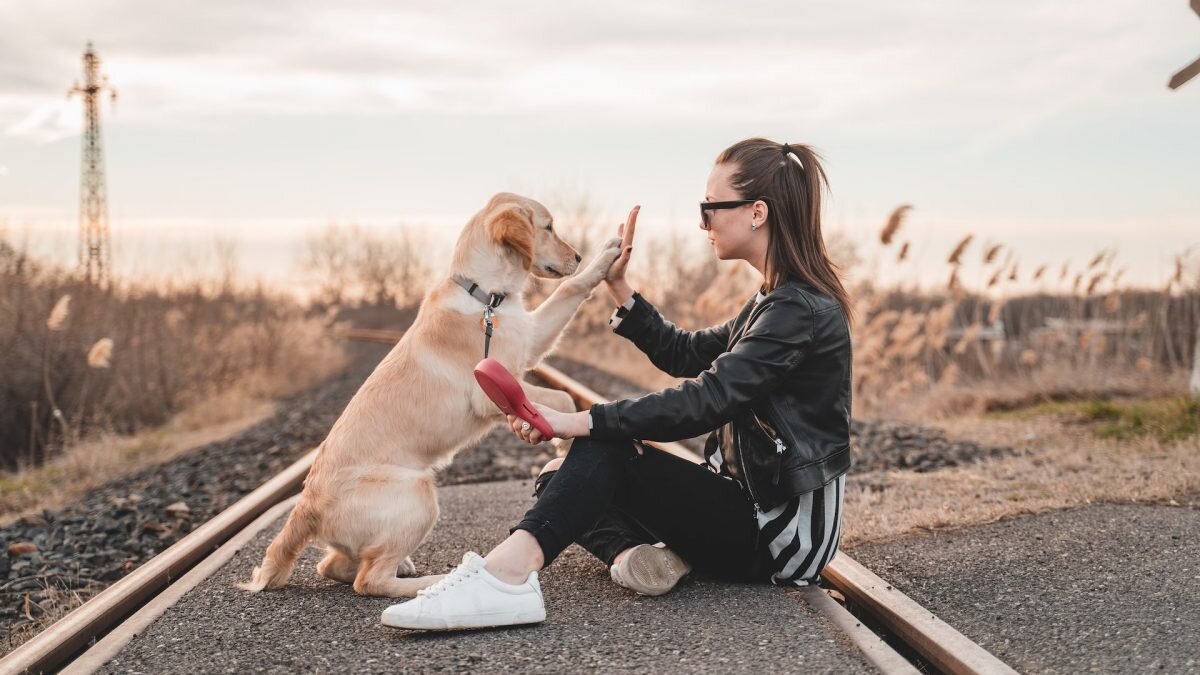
(585, 452)
(552, 465)
(545, 475)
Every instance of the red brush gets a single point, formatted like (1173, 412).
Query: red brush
(506, 392)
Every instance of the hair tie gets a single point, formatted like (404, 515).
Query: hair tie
(790, 154)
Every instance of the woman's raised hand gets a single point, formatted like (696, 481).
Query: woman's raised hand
(617, 285)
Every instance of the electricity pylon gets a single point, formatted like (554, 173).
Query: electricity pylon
(95, 259)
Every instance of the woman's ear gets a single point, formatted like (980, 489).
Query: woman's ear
(760, 211)
(510, 225)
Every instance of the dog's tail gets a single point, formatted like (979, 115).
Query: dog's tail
(280, 560)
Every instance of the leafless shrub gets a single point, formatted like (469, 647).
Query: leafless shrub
(134, 356)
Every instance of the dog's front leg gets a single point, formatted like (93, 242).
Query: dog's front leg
(556, 399)
(552, 316)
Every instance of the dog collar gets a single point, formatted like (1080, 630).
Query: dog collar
(490, 303)
(492, 300)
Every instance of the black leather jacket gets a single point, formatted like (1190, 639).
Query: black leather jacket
(778, 374)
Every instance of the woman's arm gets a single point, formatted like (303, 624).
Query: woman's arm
(678, 352)
(774, 344)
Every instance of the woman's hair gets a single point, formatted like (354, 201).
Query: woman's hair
(769, 171)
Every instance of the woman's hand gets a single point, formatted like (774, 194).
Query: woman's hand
(565, 425)
(617, 286)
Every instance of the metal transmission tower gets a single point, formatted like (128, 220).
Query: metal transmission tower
(95, 261)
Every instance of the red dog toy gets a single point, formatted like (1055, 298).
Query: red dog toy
(506, 392)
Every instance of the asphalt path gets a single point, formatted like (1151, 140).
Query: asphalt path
(1106, 588)
(316, 625)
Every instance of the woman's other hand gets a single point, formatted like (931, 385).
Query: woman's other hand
(617, 286)
(565, 425)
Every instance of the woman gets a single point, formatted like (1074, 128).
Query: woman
(773, 386)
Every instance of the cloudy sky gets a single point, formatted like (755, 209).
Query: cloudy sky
(1042, 124)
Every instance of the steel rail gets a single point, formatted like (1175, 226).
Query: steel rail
(55, 646)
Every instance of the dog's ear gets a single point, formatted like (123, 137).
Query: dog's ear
(511, 225)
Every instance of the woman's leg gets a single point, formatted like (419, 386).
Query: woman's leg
(705, 518)
(701, 516)
(613, 534)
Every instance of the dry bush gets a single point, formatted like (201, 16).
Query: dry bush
(122, 360)
(980, 347)
(353, 265)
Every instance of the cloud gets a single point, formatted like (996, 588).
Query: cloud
(937, 67)
(937, 73)
(48, 122)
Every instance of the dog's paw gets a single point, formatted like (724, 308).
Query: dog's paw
(597, 268)
(407, 568)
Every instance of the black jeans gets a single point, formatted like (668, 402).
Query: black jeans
(607, 497)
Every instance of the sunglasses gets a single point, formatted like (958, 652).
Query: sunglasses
(707, 207)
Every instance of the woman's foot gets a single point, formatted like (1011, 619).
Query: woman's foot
(470, 597)
(649, 570)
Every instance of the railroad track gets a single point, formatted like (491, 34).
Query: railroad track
(89, 636)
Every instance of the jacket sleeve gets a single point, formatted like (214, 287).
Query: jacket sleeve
(776, 341)
(677, 352)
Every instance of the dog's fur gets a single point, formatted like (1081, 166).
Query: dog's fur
(370, 495)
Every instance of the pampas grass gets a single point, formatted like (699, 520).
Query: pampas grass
(894, 221)
(58, 315)
(990, 254)
(956, 255)
(100, 353)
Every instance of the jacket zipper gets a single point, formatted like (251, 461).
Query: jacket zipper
(779, 446)
(753, 497)
(772, 434)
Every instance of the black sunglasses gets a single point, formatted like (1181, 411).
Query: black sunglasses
(705, 207)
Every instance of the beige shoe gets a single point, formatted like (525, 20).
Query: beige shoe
(650, 570)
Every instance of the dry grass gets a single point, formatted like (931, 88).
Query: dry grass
(95, 461)
(77, 362)
(59, 602)
(1064, 465)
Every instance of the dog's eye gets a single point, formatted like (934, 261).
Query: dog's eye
(549, 228)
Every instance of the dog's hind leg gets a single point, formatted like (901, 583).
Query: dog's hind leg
(338, 566)
(377, 576)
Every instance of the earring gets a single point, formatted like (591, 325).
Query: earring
(753, 225)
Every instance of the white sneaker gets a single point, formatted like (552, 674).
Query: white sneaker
(470, 597)
(650, 570)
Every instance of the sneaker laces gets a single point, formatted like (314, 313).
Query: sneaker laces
(460, 573)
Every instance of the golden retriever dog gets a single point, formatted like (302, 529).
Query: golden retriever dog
(369, 496)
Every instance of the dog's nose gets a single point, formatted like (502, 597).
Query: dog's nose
(578, 257)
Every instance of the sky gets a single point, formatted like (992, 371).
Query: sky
(1044, 125)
